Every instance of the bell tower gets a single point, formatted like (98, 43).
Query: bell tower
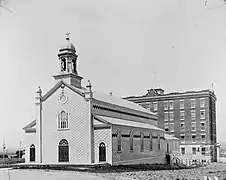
(68, 64)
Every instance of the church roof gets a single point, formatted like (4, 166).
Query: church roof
(119, 101)
(111, 99)
(30, 125)
(117, 121)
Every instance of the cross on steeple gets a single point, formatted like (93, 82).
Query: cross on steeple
(67, 35)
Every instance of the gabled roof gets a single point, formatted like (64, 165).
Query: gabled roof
(30, 125)
(120, 102)
(117, 121)
(56, 86)
(99, 96)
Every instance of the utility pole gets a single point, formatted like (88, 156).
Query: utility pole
(19, 151)
(3, 156)
(155, 84)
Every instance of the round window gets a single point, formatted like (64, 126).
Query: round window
(63, 98)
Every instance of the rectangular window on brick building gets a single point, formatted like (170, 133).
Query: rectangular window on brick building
(182, 127)
(203, 137)
(193, 137)
(166, 127)
(194, 150)
(155, 104)
(182, 150)
(193, 115)
(182, 138)
(170, 104)
(181, 115)
(181, 104)
(202, 102)
(171, 116)
(171, 127)
(202, 124)
(166, 105)
(202, 114)
(166, 116)
(192, 103)
(203, 150)
(193, 126)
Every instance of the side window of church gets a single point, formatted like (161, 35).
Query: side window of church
(151, 142)
(159, 142)
(63, 118)
(131, 141)
(119, 141)
(141, 142)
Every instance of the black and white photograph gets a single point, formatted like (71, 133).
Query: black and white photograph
(113, 90)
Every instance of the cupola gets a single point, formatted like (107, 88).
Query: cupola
(68, 64)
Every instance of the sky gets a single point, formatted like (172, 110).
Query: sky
(120, 44)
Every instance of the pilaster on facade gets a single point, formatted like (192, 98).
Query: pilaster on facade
(38, 103)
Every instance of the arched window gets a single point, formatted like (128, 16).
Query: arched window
(119, 141)
(63, 151)
(32, 153)
(102, 152)
(141, 142)
(131, 141)
(63, 64)
(158, 142)
(151, 142)
(74, 66)
(63, 120)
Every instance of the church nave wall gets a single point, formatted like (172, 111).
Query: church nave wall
(136, 155)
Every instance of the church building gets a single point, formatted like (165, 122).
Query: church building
(76, 125)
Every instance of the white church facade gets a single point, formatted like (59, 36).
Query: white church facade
(76, 125)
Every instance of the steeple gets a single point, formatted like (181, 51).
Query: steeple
(68, 64)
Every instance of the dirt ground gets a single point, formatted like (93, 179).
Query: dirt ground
(214, 170)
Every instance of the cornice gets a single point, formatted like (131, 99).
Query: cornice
(171, 97)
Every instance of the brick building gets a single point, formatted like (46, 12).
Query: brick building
(77, 125)
(190, 116)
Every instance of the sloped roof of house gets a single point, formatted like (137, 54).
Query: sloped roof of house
(117, 121)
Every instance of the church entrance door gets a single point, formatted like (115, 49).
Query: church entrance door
(102, 152)
(63, 151)
(32, 153)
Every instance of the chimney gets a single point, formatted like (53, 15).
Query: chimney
(159, 91)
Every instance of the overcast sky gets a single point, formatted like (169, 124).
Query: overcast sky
(120, 43)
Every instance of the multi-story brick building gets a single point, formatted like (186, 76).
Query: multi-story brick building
(190, 116)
